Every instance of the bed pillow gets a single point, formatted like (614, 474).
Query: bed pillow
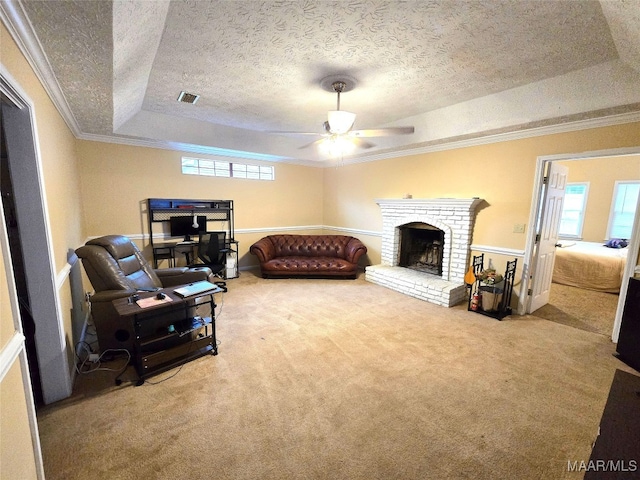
(616, 243)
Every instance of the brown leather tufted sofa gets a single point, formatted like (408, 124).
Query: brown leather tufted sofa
(309, 255)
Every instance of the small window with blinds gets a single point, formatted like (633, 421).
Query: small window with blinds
(223, 168)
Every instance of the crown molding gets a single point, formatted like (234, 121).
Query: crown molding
(578, 125)
(456, 144)
(192, 148)
(15, 19)
(13, 16)
(608, 121)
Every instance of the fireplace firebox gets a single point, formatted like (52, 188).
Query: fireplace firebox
(421, 247)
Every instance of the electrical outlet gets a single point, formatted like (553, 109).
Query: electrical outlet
(518, 228)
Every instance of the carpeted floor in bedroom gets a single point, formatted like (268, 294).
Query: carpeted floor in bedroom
(579, 308)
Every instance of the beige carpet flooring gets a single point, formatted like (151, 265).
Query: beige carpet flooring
(335, 379)
(579, 308)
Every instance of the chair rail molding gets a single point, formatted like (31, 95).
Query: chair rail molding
(497, 250)
(10, 353)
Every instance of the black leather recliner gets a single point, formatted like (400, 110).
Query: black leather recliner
(116, 268)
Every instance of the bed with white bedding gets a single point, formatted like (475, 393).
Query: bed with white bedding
(589, 265)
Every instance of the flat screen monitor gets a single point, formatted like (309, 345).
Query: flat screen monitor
(184, 227)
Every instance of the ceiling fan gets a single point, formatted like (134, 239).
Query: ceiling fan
(338, 126)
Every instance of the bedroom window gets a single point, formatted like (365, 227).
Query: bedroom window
(623, 209)
(222, 168)
(575, 202)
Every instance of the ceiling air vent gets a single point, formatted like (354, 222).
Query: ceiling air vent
(188, 98)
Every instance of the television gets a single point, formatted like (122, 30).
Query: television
(183, 226)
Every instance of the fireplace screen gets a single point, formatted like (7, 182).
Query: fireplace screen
(421, 247)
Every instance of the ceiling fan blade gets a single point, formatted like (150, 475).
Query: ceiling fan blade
(307, 145)
(357, 142)
(383, 132)
(275, 132)
(362, 143)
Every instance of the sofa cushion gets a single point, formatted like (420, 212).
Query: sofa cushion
(310, 245)
(303, 265)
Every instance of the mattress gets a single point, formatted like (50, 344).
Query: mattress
(590, 265)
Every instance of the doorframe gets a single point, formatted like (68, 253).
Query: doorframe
(15, 349)
(524, 299)
(56, 376)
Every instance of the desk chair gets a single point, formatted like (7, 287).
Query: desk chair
(212, 252)
(163, 254)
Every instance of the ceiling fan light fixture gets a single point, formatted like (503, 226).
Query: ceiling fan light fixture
(337, 146)
(340, 122)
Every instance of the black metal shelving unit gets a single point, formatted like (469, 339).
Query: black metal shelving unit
(160, 210)
(499, 294)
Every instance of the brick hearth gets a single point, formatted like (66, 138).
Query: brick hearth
(455, 217)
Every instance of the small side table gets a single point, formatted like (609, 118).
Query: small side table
(168, 331)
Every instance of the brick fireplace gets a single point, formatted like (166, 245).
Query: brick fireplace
(454, 218)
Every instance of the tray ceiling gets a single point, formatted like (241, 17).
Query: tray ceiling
(453, 69)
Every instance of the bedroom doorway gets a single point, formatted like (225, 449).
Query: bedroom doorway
(566, 302)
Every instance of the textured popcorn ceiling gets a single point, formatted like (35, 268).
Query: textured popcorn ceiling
(452, 68)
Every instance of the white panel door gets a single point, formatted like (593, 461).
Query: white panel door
(548, 235)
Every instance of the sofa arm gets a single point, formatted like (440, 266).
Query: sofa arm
(170, 277)
(263, 249)
(354, 250)
(108, 296)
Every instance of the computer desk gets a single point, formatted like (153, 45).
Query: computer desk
(171, 252)
(168, 250)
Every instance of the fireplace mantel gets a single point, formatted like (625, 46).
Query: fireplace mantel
(470, 203)
(455, 217)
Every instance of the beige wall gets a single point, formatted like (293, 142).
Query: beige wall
(502, 174)
(116, 181)
(601, 174)
(342, 196)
